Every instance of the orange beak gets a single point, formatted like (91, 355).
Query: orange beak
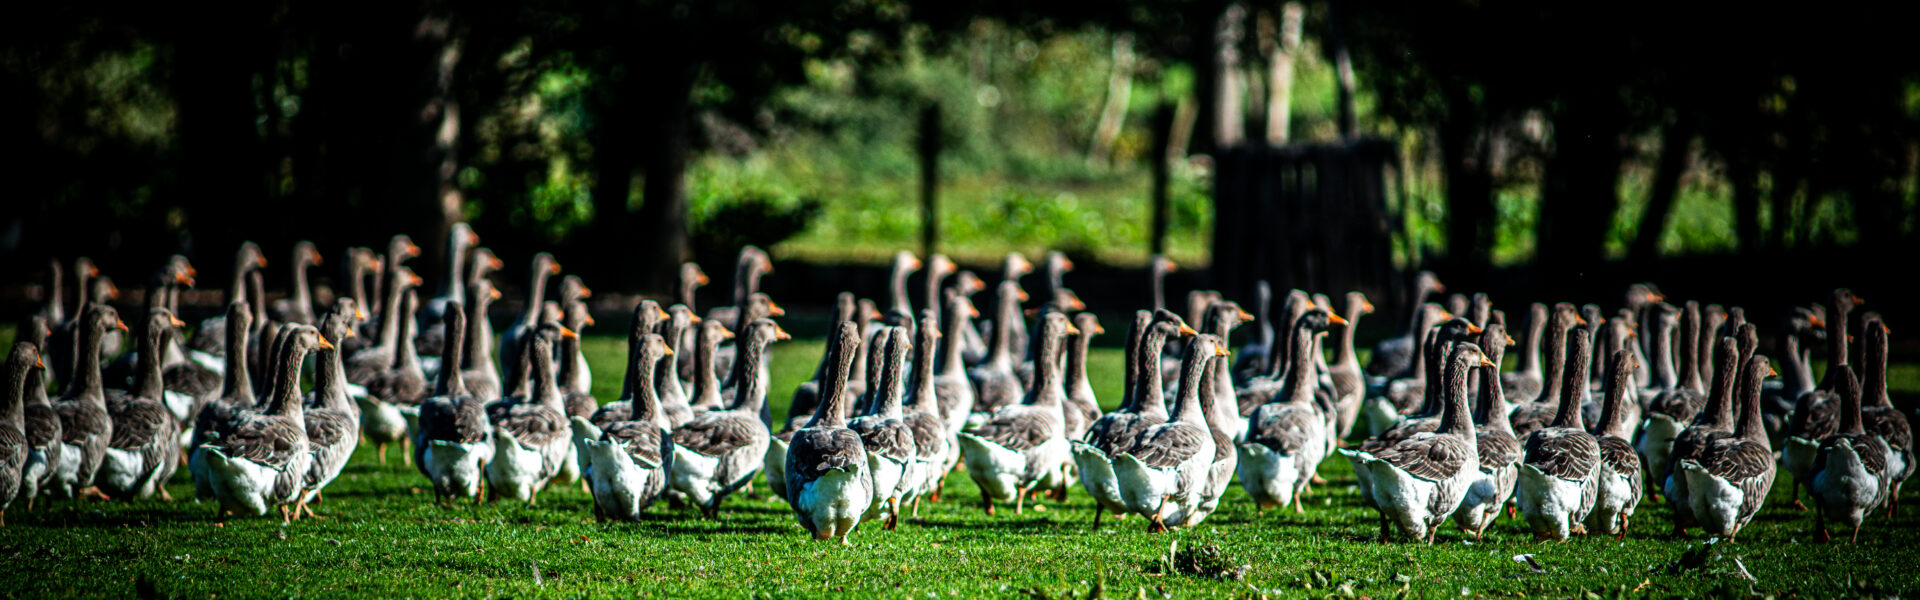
(349, 334)
(727, 334)
(668, 351)
(324, 344)
(1859, 300)
(589, 319)
(553, 267)
(775, 310)
(1439, 287)
(1186, 331)
(1771, 372)
(1486, 363)
(1366, 307)
(586, 292)
(663, 314)
(1071, 330)
(473, 238)
(317, 259)
(413, 249)
(1579, 320)
(701, 279)
(176, 321)
(781, 334)
(1078, 304)
(1338, 320)
(39, 363)
(1472, 328)
(1171, 266)
(1818, 322)
(1509, 340)
(569, 333)
(183, 279)
(1022, 296)
(1066, 263)
(915, 264)
(696, 319)
(416, 279)
(119, 324)
(93, 271)
(496, 263)
(495, 294)
(260, 261)
(1246, 316)
(1097, 329)
(973, 311)
(362, 316)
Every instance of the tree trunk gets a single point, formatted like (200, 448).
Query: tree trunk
(1675, 144)
(440, 120)
(664, 241)
(1229, 119)
(1746, 202)
(1580, 190)
(1469, 187)
(1119, 91)
(1280, 57)
(616, 137)
(1343, 69)
(222, 173)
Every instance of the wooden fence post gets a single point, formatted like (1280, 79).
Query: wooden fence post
(929, 147)
(1162, 134)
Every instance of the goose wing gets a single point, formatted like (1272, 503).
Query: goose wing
(1430, 456)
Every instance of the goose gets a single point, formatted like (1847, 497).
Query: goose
(1639, 297)
(1251, 359)
(1349, 380)
(646, 315)
(52, 304)
(14, 447)
(1816, 414)
(973, 346)
(1162, 475)
(1850, 477)
(452, 288)
(85, 426)
(454, 439)
(691, 279)
(721, 451)
(42, 429)
(1595, 320)
(1406, 395)
(1142, 406)
(1440, 343)
(1665, 416)
(1082, 408)
(938, 267)
(1615, 335)
(1730, 481)
(1713, 423)
(298, 306)
(1252, 393)
(994, 382)
(806, 396)
(1526, 379)
(1619, 469)
(1497, 449)
(1796, 376)
(1393, 358)
(393, 397)
(891, 451)
(1559, 474)
(480, 376)
(1057, 265)
(752, 264)
(371, 361)
(904, 265)
(575, 388)
(935, 453)
(144, 450)
(1544, 408)
(1879, 415)
(979, 346)
(236, 398)
(825, 472)
(260, 460)
(64, 344)
(1286, 437)
(758, 306)
(1023, 447)
(209, 338)
(950, 384)
(628, 464)
(674, 400)
(360, 265)
(1419, 482)
(544, 266)
(573, 291)
(530, 438)
(332, 418)
(1224, 422)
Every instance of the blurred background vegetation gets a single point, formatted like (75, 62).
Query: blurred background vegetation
(645, 133)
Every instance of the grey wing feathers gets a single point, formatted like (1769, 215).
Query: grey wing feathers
(327, 427)
(268, 440)
(717, 433)
(43, 425)
(1020, 429)
(1563, 453)
(1681, 404)
(612, 412)
(535, 426)
(1432, 457)
(1169, 445)
(454, 419)
(816, 450)
(1281, 428)
(1116, 433)
(1815, 416)
(642, 439)
(886, 437)
(1497, 449)
(138, 422)
(398, 387)
(928, 432)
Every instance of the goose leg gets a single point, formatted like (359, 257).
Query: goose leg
(285, 519)
(1019, 502)
(986, 501)
(1097, 509)
(381, 449)
(164, 496)
(481, 494)
(1623, 530)
(406, 451)
(1855, 540)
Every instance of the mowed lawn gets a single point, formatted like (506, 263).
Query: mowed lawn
(383, 536)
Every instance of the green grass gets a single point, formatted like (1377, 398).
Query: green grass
(384, 537)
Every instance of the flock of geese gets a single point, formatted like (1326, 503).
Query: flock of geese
(1669, 400)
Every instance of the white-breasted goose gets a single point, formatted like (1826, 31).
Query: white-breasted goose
(1729, 483)
(826, 479)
